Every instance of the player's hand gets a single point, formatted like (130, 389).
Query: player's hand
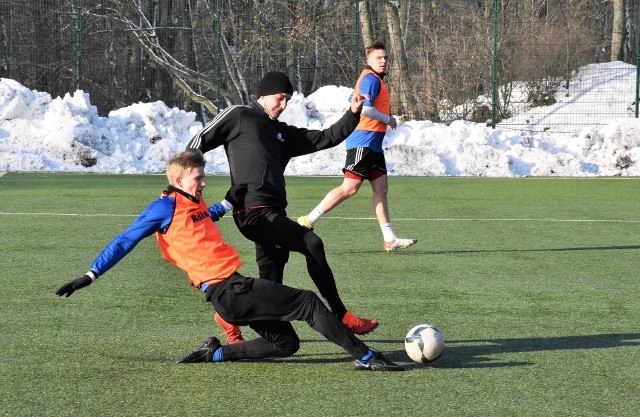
(68, 288)
(357, 101)
(393, 123)
(236, 195)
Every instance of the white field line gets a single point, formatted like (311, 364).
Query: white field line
(66, 214)
(415, 219)
(446, 219)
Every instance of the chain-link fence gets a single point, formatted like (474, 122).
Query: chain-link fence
(450, 60)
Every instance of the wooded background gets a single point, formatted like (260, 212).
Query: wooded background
(204, 55)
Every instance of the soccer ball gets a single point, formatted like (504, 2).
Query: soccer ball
(424, 343)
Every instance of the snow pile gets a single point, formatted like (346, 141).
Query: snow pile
(66, 134)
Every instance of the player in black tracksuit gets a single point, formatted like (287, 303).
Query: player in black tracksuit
(258, 148)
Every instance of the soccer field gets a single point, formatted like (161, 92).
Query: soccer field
(534, 283)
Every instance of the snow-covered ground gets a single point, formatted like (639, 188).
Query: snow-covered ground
(66, 134)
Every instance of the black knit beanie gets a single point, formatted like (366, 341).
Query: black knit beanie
(274, 82)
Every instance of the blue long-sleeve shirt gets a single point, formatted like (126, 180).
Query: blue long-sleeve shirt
(369, 86)
(156, 217)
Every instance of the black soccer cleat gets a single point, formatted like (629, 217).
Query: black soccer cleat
(203, 353)
(376, 363)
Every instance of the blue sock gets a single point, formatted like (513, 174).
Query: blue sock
(367, 355)
(217, 355)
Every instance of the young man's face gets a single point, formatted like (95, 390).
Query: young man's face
(377, 59)
(274, 104)
(193, 182)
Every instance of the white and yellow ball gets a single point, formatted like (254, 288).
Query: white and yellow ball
(424, 343)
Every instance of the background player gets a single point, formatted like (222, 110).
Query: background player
(365, 157)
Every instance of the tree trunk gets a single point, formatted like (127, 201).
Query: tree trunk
(366, 27)
(428, 92)
(617, 31)
(399, 69)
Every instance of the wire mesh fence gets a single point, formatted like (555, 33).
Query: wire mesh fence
(483, 61)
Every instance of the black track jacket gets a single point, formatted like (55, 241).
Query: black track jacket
(259, 148)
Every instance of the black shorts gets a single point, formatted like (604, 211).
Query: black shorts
(363, 162)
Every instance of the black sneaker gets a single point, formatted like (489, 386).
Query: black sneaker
(203, 353)
(376, 363)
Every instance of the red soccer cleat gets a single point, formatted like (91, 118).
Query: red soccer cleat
(357, 325)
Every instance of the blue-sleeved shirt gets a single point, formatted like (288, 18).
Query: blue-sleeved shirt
(156, 217)
(369, 85)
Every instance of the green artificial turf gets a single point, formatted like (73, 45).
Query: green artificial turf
(534, 283)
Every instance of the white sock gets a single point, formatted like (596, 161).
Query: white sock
(315, 214)
(387, 232)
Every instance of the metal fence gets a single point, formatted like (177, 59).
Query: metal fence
(450, 60)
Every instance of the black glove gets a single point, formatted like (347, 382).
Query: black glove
(236, 195)
(68, 288)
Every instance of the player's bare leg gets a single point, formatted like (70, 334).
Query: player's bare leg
(348, 188)
(380, 187)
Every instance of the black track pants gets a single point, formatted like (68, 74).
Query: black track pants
(268, 308)
(275, 235)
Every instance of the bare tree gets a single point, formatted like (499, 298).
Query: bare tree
(617, 31)
(366, 27)
(147, 35)
(205, 54)
(399, 75)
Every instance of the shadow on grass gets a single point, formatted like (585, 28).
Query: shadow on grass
(412, 251)
(479, 353)
(594, 248)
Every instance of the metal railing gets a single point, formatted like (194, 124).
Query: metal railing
(205, 55)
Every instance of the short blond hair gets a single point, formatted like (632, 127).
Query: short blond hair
(183, 163)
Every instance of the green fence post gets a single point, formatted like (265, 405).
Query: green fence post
(494, 71)
(79, 45)
(218, 54)
(637, 57)
(357, 23)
